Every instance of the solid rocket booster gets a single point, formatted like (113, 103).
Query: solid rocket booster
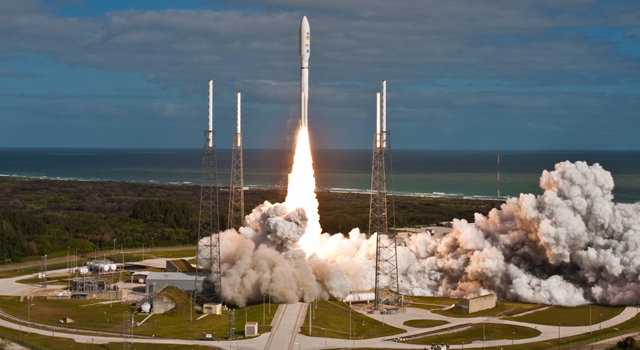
(304, 72)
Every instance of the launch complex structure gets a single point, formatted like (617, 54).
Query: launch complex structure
(208, 254)
(381, 210)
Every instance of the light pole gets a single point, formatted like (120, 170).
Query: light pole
(143, 251)
(29, 317)
(325, 339)
(483, 337)
(513, 337)
(600, 327)
(264, 320)
(589, 318)
(349, 322)
(354, 335)
(558, 333)
(114, 245)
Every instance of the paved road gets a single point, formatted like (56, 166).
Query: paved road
(286, 327)
(289, 325)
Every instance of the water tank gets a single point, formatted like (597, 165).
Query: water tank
(104, 267)
(112, 267)
(146, 307)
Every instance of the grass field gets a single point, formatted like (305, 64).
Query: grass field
(37, 342)
(502, 308)
(424, 323)
(432, 300)
(332, 320)
(492, 331)
(176, 323)
(571, 316)
(137, 256)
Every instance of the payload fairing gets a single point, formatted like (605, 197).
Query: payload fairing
(305, 43)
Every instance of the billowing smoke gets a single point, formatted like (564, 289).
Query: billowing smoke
(568, 246)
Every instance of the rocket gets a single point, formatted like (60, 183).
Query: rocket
(304, 72)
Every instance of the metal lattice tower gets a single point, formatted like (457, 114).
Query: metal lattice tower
(236, 185)
(127, 330)
(381, 211)
(208, 257)
(232, 324)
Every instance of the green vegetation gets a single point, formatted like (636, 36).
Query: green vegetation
(332, 320)
(627, 343)
(344, 211)
(443, 301)
(629, 326)
(492, 331)
(90, 315)
(424, 323)
(571, 316)
(502, 308)
(38, 342)
(52, 217)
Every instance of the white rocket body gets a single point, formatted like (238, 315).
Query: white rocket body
(305, 46)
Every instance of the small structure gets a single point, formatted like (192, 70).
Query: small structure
(392, 310)
(179, 265)
(359, 297)
(212, 309)
(186, 281)
(161, 304)
(84, 284)
(251, 329)
(484, 302)
(66, 320)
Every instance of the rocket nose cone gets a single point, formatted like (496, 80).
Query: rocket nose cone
(304, 24)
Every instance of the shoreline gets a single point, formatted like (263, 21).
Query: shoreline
(266, 188)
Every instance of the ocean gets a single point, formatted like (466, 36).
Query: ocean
(459, 174)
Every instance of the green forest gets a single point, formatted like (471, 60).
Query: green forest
(39, 217)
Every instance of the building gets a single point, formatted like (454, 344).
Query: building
(155, 281)
(251, 329)
(179, 265)
(212, 309)
(484, 302)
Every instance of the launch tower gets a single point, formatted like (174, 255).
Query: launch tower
(236, 185)
(381, 209)
(208, 257)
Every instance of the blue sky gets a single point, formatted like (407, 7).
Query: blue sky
(461, 75)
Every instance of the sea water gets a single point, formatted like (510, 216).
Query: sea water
(461, 174)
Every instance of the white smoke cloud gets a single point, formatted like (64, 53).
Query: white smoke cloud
(568, 246)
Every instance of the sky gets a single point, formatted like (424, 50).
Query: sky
(528, 75)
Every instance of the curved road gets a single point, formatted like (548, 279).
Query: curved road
(306, 342)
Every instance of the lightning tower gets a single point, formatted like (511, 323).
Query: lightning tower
(208, 257)
(381, 209)
(236, 185)
(498, 172)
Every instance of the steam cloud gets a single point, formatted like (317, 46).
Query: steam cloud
(568, 246)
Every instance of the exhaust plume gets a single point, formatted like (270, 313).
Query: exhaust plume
(569, 246)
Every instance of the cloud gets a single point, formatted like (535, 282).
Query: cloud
(413, 44)
(17, 74)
